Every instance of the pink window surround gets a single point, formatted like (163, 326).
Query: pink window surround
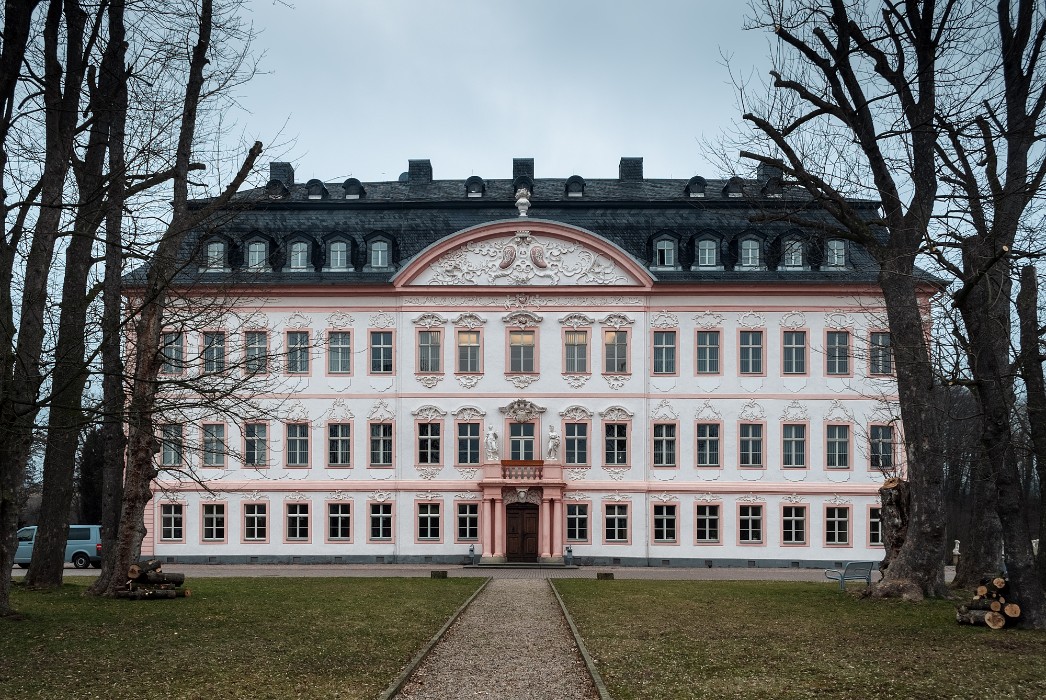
(203, 522)
(677, 439)
(458, 330)
(309, 520)
(310, 359)
(849, 354)
(763, 524)
(782, 509)
(182, 362)
(721, 353)
(159, 519)
(266, 357)
(849, 526)
(326, 355)
(418, 438)
(676, 352)
(807, 442)
(764, 442)
(268, 445)
(806, 352)
(628, 524)
(850, 456)
(370, 352)
(442, 359)
(591, 442)
(441, 514)
(628, 351)
(479, 521)
(869, 354)
(589, 523)
(326, 522)
(392, 520)
(367, 446)
(653, 507)
(536, 350)
(326, 444)
(587, 330)
(200, 359)
(894, 455)
(868, 512)
(225, 446)
(287, 444)
(243, 522)
(602, 446)
(720, 522)
(764, 358)
(479, 439)
(721, 442)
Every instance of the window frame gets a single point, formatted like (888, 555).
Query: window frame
(246, 441)
(223, 445)
(383, 520)
(698, 517)
(510, 351)
(830, 532)
(663, 521)
(476, 439)
(424, 353)
(288, 440)
(331, 267)
(670, 246)
(803, 520)
(171, 517)
(625, 427)
(718, 425)
(177, 441)
(627, 345)
(621, 512)
(376, 249)
(250, 262)
(264, 515)
(458, 349)
(655, 347)
(296, 352)
(287, 515)
(745, 352)
(874, 447)
(381, 349)
(760, 519)
(788, 251)
(742, 249)
(214, 506)
(715, 246)
(291, 254)
(468, 517)
(835, 259)
(786, 440)
(831, 353)
(255, 364)
(794, 354)
(343, 349)
(707, 348)
(522, 439)
(675, 443)
(875, 525)
(210, 364)
(172, 364)
(586, 356)
(568, 439)
(391, 439)
(340, 515)
(428, 447)
(327, 443)
(428, 511)
(829, 441)
(585, 517)
(880, 357)
(741, 438)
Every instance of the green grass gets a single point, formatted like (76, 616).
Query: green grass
(234, 638)
(755, 639)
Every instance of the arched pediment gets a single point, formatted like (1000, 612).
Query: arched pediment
(524, 253)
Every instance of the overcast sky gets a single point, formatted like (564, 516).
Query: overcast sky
(361, 86)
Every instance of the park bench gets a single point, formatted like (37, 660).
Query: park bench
(853, 571)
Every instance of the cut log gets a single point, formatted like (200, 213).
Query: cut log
(136, 570)
(977, 605)
(147, 594)
(980, 617)
(999, 583)
(157, 578)
(995, 606)
(995, 620)
(982, 591)
(1011, 610)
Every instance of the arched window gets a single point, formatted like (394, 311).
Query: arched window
(215, 255)
(695, 187)
(575, 186)
(474, 186)
(299, 257)
(257, 255)
(353, 189)
(379, 254)
(707, 253)
(339, 259)
(835, 253)
(792, 254)
(750, 256)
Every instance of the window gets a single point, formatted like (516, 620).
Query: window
(428, 521)
(172, 351)
(256, 352)
(837, 525)
(339, 521)
(880, 358)
(707, 445)
(255, 449)
(213, 522)
(664, 523)
(835, 253)
(792, 255)
(171, 521)
(298, 352)
(794, 352)
(708, 352)
(521, 351)
(213, 352)
(468, 521)
(616, 523)
(381, 352)
(297, 444)
(707, 253)
(881, 453)
(576, 351)
(750, 253)
(430, 350)
(339, 255)
(664, 352)
(837, 456)
(299, 257)
(837, 352)
(468, 443)
(429, 451)
(339, 444)
(171, 445)
(213, 445)
(665, 253)
(751, 352)
(751, 435)
(750, 530)
(616, 443)
(381, 521)
(297, 521)
(255, 521)
(875, 527)
(577, 522)
(521, 440)
(576, 436)
(793, 446)
(339, 352)
(381, 444)
(469, 352)
(793, 525)
(707, 523)
(379, 254)
(615, 345)
(257, 255)
(215, 256)
(664, 445)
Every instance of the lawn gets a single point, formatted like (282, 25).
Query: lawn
(234, 638)
(755, 639)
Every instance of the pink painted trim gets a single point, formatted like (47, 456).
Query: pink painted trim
(628, 351)
(590, 519)
(442, 443)
(868, 529)
(678, 439)
(203, 520)
(418, 503)
(158, 517)
(326, 355)
(850, 359)
(327, 539)
(653, 527)
(764, 444)
(763, 525)
(370, 351)
(629, 447)
(352, 444)
(479, 438)
(849, 526)
(588, 348)
(720, 441)
(417, 351)
(367, 446)
(268, 352)
(309, 520)
(628, 521)
(676, 347)
(287, 445)
(479, 521)
(806, 352)
(224, 453)
(268, 445)
(720, 520)
(287, 352)
(806, 446)
(589, 443)
(457, 345)
(721, 349)
(392, 522)
(868, 358)
(508, 349)
(243, 522)
(850, 454)
(764, 355)
(806, 524)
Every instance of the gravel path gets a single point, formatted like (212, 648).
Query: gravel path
(512, 642)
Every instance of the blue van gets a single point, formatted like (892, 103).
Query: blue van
(83, 547)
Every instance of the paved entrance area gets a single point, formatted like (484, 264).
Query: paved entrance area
(512, 642)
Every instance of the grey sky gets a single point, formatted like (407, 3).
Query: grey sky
(363, 86)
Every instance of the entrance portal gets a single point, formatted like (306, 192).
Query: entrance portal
(521, 532)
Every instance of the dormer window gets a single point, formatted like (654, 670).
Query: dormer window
(352, 188)
(379, 254)
(299, 257)
(792, 255)
(339, 258)
(707, 253)
(750, 253)
(215, 256)
(696, 186)
(735, 187)
(665, 253)
(474, 187)
(835, 253)
(316, 189)
(575, 186)
(257, 255)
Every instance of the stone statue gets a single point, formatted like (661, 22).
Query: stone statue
(491, 442)
(523, 200)
(552, 452)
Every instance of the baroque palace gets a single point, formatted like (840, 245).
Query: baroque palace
(618, 371)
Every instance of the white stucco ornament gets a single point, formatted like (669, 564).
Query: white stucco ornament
(523, 200)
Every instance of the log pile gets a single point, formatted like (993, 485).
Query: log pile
(990, 606)
(147, 581)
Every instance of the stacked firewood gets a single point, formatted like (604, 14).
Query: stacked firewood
(989, 606)
(147, 581)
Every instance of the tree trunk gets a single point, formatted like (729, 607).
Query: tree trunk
(981, 550)
(895, 497)
(1035, 385)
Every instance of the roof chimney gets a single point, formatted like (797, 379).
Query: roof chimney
(284, 172)
(419, 170)
(523, 166)
(630, 170)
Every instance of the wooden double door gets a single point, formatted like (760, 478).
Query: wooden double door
(521, 532)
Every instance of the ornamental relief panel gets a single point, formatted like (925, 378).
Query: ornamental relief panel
(522, 495)
(469, 320)
(576, 413)
(429, 320)
(382, 319)
(664, 319)
(524, 259)
(468, 413)
(522, 411)
(577, 320)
